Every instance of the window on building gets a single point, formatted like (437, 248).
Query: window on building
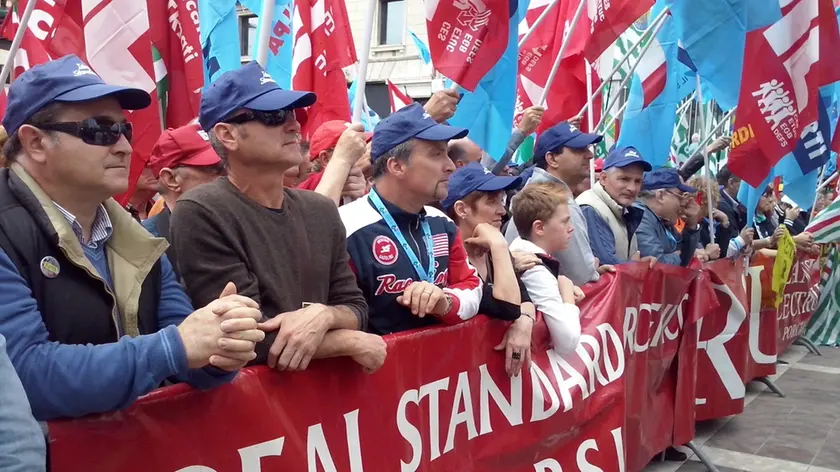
(247, 34)
(391, 21)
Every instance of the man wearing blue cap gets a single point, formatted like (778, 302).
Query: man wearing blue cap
(409, 258)
(91, 309)
(283, 247)
(611, 219)
(562, 155)
(664, 200)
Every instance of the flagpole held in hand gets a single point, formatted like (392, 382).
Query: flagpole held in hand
(361, 75)
(589, 117)
(22, 27)
(708, 173)
(266, 16)
(567, 39)
(607, 79)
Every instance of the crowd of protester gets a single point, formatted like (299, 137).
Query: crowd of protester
(261, 249)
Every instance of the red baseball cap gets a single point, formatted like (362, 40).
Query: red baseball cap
(599, 165)
(326, 137)
(185, 146)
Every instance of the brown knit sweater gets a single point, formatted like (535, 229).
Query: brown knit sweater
(279, 258)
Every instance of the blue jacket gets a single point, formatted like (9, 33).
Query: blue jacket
(22, 445)
(74, 380)
(601, 238)
(658, 238)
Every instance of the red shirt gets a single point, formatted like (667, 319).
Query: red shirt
(311, 182)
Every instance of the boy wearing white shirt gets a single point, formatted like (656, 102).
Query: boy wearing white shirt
(541, 215)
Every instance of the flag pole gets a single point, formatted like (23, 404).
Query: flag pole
(705, 142)
(539, 20)
(624, 82)
(567, 39)
(708, 173)
(607, 79)
(615, 117)
(13, 49)
(361, 75)
(266, 17)
(589, 117)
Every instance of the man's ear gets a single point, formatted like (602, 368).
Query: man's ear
(538, 228)
(551, 159)
(396, 166)
(225, 133)
(34, 142)
(168, 179)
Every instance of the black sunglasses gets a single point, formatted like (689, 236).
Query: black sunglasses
(268, 118)
(92, 131)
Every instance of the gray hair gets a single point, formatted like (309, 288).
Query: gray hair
(647, 194)
(12, 148)
(400, 152)
(218, 147)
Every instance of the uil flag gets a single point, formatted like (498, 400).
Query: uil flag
(790, 60)
(399, 100)
(279, 64)
(467, 37)
(323, 46)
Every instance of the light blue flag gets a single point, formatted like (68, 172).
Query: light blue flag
(369, 117)
(421, 46)
(488, 112)
(714, 34)
(279, 64)
(219, 37)
(649, 129)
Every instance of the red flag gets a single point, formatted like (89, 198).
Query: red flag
(321, 50)
(114, 41)
(174, 33)
(397, 97)
(603, 22)
(467, 37)
(788, 62)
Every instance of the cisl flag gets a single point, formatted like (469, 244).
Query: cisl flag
(789, 61)
(467, 37)
(323, 46)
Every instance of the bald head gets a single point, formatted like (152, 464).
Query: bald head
(463, 151)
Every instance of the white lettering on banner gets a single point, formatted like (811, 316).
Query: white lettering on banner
(36, 19)
(759, 357)
(786, 33)
(473, 15)
(462, 412)
(633, 315)
(716, 347)
(452, 36)
(583, 465)
(815, 146)
(175, 23)
(317, 450)
(107, 41)
(774, 102)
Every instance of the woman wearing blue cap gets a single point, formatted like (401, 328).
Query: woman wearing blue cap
(476, 202)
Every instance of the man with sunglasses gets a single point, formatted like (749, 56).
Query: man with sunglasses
(665, 199)
(181, 160)
(90, 307)
(283, 247)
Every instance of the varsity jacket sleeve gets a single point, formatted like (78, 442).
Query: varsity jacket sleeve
(562, 319)
(601, 238)
(173, 308)
(463, 284)
(22, 445)
(64, 380)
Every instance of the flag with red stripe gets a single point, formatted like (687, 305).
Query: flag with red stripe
(826, 225)
(323, 46)
(398, 99)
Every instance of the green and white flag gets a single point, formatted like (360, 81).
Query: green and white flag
(525, 153)
(824, 327)
(623, 44)
(162, 82)
(681, 145)
(826, 225)
(603, 148)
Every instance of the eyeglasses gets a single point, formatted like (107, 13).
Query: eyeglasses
(268, 118)
(92, 131)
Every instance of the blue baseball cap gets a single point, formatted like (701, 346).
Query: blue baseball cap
(67, 79)
(666, 178)
(624, 157)
(407, 123)
(249, 87)
(562, 134)
(474, 177)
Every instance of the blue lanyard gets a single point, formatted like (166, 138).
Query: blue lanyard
(425, 275)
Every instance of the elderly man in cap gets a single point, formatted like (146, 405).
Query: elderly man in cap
(91, 309)
(409, 258)
(181, 160)
(562, 156)
(611, 219)
(339, 168)
(665, 199)
(282, 247)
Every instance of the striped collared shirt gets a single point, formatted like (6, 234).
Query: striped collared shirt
(99, 233)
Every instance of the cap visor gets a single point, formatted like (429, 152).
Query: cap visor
(496, 183)
(129, 98)
(628, 162)
(582, 140)
(277, 99)
(686, 188)
(442, 133)
(207, 157)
